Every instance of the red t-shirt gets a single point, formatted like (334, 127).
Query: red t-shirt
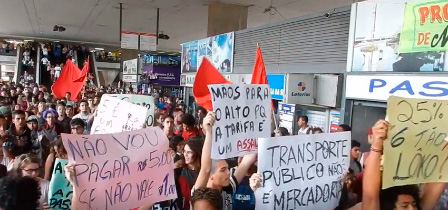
(190, 134)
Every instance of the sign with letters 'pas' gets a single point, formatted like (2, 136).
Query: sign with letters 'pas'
(141, 100)
(122, 170)
(243, 114)
(60, 191)
(115, 115)
(302, 172)
(424, 27)
(416, 150)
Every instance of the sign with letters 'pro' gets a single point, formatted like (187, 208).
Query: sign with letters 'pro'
(122, 170)
(243, 114)
(302, 172)
(416, 150)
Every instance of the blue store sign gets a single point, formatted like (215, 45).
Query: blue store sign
(277, 85)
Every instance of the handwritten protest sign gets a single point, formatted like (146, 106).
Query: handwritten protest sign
(115, 115)
(60, 191)
(416, 150)
(243, 114)
(302, 172)
(145, 101)
(424, 27)
(122, 170)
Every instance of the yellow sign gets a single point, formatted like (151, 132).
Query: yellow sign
(415, 150)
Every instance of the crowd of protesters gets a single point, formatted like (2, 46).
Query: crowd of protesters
(31, 121)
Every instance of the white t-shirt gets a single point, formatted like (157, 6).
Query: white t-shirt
(305, 130)
(57, 68)
(44, 61)
(45, 51)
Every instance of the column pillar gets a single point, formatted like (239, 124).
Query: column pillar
(223, 18)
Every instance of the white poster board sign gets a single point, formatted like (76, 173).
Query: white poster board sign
(141, 100)
(302, 172)
(243, 114)
(122, 170)
(115, 115)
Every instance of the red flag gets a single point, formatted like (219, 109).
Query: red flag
(84, 71)
(259, 71)
(66, 82)
(206, 75)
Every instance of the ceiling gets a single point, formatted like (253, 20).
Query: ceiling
(97, 21)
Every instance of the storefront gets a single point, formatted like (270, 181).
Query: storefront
(377, 66)
(317, 96)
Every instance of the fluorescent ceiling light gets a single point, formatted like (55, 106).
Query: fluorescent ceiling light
(99, 48)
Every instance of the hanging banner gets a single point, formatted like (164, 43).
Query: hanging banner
(140, 100)
(416, 150)
(115, 115)
(302, 172)
(148, 42)
(129, 40)
(122, 170)
(424, 27)
(243, 114)
(60, 191)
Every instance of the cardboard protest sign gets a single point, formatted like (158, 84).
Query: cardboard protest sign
(145, 101)
(302, 172)
(60, 191)
(416, 150)
(122, 170)
(243, 114)
(115, 115)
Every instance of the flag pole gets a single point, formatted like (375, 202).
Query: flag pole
(275, 120)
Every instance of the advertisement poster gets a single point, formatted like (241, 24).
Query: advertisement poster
(222, 52)
(205, 49)
(190, 56)
(335, 120)
(377, 41)
(130, 66)
(217, 49)
(165, 75)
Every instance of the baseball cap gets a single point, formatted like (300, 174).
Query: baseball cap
(32, 118)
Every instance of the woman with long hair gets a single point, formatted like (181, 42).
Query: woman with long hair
(57, 150)
(189, 173)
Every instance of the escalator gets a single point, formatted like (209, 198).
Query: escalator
(27, 61)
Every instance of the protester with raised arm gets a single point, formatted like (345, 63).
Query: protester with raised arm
(215, 173)
(394, 198)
